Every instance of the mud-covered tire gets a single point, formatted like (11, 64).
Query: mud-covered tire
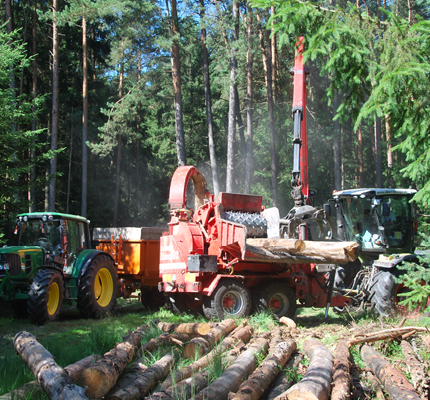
(278, 298)
(231, 298)
(46, 296)
(98, 288)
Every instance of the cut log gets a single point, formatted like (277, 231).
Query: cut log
(283, 382)
(33, 388)
(316, 383)
(341, 376)
(282, 250)
(232, 377)
(103, 374)
(146, 380)
(394, 382)
(277, 337)
(199, 346)
(201, 329)
(165, 338)
(415, 367)
(54, 380)
(254, 387)
(239, 335)
(289, 322)
(426, 340)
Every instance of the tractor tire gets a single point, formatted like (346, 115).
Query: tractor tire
(277, 298)
(46, 296)
(98, 288)
(231, 298)
(152, 299)
(384, 295)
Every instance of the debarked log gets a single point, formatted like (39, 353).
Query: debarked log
(201, 328)
(54, 380)
(240, 334)
(415, 367)
(103, 374)
(33, 388)
(232, 377)
(341, 372)
(199, 346)
(316, 383)
(394, 382)
(254, 387)
(146, 380)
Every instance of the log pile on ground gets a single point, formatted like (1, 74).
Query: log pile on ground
(232, 362)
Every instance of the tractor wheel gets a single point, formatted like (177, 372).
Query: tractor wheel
(278, 298)
(98, 289)
(152, 299)
(384, 295)
(46, 296)
(231, 298)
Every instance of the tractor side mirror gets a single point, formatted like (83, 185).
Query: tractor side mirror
(327, 209)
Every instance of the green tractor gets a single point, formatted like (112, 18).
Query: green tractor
(382, 222)
(52, 261)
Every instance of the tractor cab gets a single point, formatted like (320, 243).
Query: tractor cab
(380, 220)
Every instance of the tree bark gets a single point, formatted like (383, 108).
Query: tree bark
(360, 158)
(165, 338)
(102, 376)
(394, 382)
(208, 102)
(32, 191)
(316, 383)
(54, 380)
(249, 158)
(240, 335)
(199, 346)
(33, 388)
(84, 118)
(177, 90)
(262, 377)
(378, 152)
(232, 102)
(232, 377)
(145, 381)
(341, 377)
(415, 367)
(55, 101)
(191, 328)
(384, 335)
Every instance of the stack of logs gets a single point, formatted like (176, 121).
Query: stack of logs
(256, 366)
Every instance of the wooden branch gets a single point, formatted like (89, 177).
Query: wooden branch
(376, 386)
(254, 387)
(146, 380)
(199, 346)
(54, 380)
(33, 388)
(394, 382)
(316, 383)
(240, 334)
(232, 377)
(341, 377)
(384, 335)
(190, 328)
(151, 345)
(289, 322)
(103, 374)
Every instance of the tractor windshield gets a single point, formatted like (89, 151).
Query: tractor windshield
(379, 222)
(35, 232)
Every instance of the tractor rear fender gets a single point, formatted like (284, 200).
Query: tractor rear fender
(392, 261)
(84, 260)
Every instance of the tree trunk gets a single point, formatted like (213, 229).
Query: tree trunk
(232, 377)
(240, 335)
(341, 377)
(232, 102)
(208, 102)
(146, 380)
(163, 339)
(249, 158)
(32, 194)
(55, 101)
(262, 377)
(378, 152)
(202, 328)
(176, 76)
(394, 382)
(54, 380)
(283, 382)
(273, 55)
(316, 383)
(33, 389)
(415, 367)
(199, 346)
(360, 158)
(84, 118)
(102, 376)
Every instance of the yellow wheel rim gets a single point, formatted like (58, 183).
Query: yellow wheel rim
(53, 298)
(103, 287)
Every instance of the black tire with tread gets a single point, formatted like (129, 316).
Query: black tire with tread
(38, 296)
(213, 305)
(283, 293)
(87, 303)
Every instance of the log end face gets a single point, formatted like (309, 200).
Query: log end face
(96, 382)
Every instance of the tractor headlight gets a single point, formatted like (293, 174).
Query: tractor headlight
(4, 266)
